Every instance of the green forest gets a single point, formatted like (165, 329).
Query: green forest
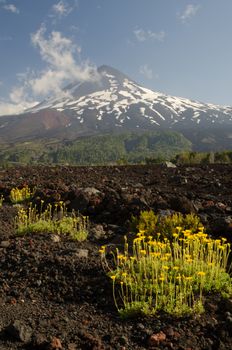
(99, 150)
(126, 148)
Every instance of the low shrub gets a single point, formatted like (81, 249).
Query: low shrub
(164, 226)
(51, 220)
(169, 274)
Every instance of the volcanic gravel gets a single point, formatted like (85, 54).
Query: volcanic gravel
(54, 293)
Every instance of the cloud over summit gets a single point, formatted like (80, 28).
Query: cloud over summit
(61, 57)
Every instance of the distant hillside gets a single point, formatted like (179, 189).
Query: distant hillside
(105, 149)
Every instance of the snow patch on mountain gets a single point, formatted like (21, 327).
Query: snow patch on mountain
(119, 99)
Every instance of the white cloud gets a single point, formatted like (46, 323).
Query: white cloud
(63, 8)
(146, 71)
(143, 35)
(18, 102)
(189, 12)
(16, 95)
(60, 54)
(12, 8)
(63, 65)
(8, 108)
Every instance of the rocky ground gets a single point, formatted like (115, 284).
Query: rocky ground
(53, 291)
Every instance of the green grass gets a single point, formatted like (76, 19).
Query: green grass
(51, 220)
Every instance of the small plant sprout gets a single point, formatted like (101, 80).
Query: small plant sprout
(171, 274)
(1, 200)
(18, 195)
(53, 219)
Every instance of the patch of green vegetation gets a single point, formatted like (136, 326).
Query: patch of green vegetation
(164, 226)
(169, 275)
(51, 220)
(223, 157)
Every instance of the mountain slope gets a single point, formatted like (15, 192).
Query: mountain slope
(116, 100)
(115, 103)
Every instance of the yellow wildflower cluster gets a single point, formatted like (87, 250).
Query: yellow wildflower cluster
(18, 195)
(52, 220)
(170, 274)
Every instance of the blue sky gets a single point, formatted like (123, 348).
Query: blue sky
(178, 47)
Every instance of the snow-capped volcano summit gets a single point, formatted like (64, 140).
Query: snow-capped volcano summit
(114, 102)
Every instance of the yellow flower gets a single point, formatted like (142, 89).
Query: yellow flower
(142, 251)
(176, 268)
(152, 243)
(188, 278)
(217, 241)
(156, 254)
(165, 267)
(187, 256)
(137, 240)
(201, 273)
(204, 235)
(187, 233)
(164, 258)
(113, 277)
(191, 237)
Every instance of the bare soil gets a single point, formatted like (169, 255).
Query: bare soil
(54, 293)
